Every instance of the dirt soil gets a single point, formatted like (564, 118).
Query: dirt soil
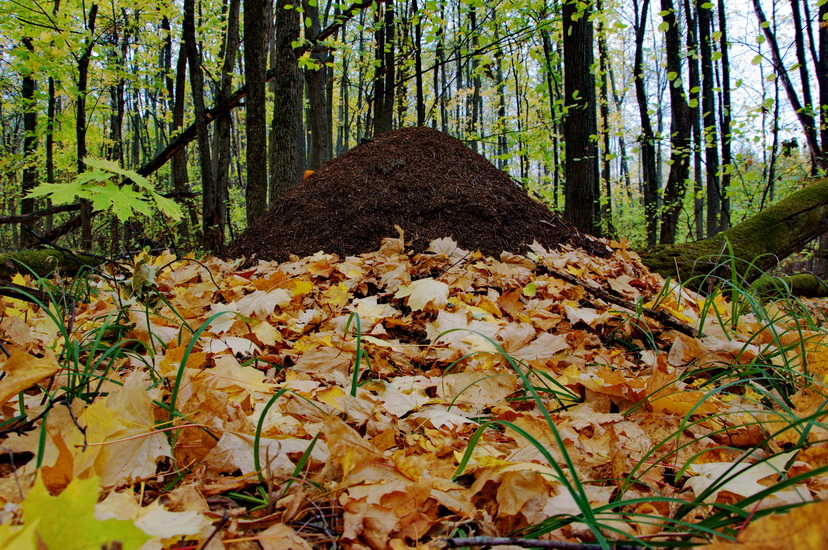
(425, 181)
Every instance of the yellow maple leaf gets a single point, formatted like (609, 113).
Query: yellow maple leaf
(803, 528)
(24, 371)
(121, 442)
(337, 295)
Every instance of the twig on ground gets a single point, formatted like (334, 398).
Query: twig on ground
(525, 543)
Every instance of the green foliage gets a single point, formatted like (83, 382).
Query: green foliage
(101, 188)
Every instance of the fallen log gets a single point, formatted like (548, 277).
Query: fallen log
(45, 262)
(748, 249)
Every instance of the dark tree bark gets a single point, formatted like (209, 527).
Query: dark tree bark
(679, 129)
(316, 80)
(802, 62)
(608, 229)
(80, 121)
(255, 108)
(725, 117)
(180, 176)
(51, 113)
(822, 73)
(117, 56)
(418, 65)
(474, 112)
(694, 77)
(580, 123)
(710, 133)
(384, 75)
(806, 119)
(222, 139)
(440, 74)
(553, 88)
(29, 182)
(211, 215)
(179, 159)
(646, 143)
(501, 127)
(52, 107)
(287, 136)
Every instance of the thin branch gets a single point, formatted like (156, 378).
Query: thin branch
(32, 216)
(525, 543)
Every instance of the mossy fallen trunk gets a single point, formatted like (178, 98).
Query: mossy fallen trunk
(44, 263)
(804, 285)
(751, 247)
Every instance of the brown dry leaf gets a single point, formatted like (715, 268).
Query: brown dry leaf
(281, 537)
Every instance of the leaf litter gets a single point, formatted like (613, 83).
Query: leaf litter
(398, 392)
(375, 400)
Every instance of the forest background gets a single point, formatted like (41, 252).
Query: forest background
(691, 115)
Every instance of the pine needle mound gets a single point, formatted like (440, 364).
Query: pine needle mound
(426, 182)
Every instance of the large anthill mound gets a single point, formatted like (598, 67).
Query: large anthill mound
(427, 182)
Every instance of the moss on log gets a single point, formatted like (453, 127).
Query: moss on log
(751, 247)
(805, 285)
(43, 262)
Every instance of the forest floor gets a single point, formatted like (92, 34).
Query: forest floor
(481, 371)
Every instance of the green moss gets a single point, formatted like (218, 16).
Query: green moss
(42, 262)
(752, 246)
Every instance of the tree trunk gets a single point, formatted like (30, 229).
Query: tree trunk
(805, 118)
(552, 71)
(679, 129)
(757, 243)
(418, 65)
(80, 122)
(255, 108)
(694, 82)
(51, 113)
(474, 112)
(581, 163)
(211, 217)
(316, 80)
(221, 139)
(802, 62)
(384, 75)
(29, 182)
(180, 177)
(117, 56)
(822, 72)
(440, 73)
(649, 176)
(725, 117)
(287, 135)
(501, 126)
(710, 135)
(608, 229)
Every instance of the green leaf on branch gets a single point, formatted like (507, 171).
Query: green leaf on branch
(105, 192)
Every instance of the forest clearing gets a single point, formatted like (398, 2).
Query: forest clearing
(432, 274)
